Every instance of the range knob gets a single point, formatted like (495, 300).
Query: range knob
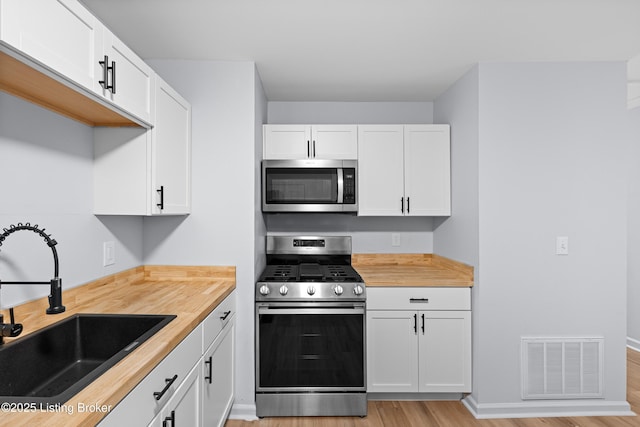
(284, 290)
(264, 290)
(338, 290)
(358, 290)
(311, 290)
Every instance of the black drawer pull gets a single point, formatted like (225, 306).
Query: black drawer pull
(209, 363)
(172, 418)
(158, 394)
(226, 314)
(419, 300)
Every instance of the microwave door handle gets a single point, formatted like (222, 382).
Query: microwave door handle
(340, 185)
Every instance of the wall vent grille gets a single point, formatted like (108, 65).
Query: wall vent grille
(562, 368)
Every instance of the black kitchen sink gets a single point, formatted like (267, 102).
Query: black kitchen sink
(53, 364)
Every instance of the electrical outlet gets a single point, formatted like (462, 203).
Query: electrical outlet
(108, 253)
(395, 239)
(562, 245)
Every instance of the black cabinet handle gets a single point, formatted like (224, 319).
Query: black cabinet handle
(105, 74)
(226, 314)
(113, 77)
(171, 418)
(408, 205)
(418, 300)
(209, 363)
(308, 148)
(161, 191)
(415, 323)
(422, 323)
(314, 149)
(158, 394)
(402, 204)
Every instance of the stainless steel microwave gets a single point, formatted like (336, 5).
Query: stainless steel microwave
(309, 186)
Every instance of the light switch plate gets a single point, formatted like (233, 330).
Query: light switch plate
(108, 253)
(562, 245)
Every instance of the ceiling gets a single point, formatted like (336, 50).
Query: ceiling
(373, 50)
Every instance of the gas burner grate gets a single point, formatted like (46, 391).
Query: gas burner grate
(279, 273)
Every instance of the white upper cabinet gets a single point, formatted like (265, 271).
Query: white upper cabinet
(171, 151)
(146, 172)
(72, 44)
(127, 80)
(62, 35)
(330, 142)
(404, 170)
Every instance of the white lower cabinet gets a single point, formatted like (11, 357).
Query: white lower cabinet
(184, 408)
(419, 340)
(178, 392)
(217, 374)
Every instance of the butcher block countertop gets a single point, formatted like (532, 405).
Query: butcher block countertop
(412, 270)
(189, 292)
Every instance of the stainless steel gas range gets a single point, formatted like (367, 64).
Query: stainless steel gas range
(310, 329)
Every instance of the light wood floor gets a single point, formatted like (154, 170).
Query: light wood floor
(454, 414)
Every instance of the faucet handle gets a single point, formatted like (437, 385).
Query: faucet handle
(11, 329)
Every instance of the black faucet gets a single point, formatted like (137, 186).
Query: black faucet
(11, 329)
(55, 296)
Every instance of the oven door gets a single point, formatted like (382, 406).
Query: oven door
(310, 347)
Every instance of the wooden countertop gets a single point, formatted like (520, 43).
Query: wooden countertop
(191, 293)
(412, 270)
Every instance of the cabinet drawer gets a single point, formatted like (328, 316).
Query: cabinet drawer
(140, 406)
(218, 319)
(413, 298)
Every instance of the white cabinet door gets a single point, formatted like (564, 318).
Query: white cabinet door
(445, 351)
(217, 373)
(171, 152)
(427, 185)
(334, 142)
(185, 406)
(62, 35)
(380, 170)
(295, 142)
(286, 142)
(392, 351)
(130, 79)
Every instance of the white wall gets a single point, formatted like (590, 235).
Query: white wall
(457, 237)
(223, 226)
(552, 149)
(46, 179)
(633, 290)
(350, 112)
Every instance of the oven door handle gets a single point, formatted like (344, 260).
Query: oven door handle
(312, 310)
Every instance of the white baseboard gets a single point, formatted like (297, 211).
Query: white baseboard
(543, 408)
(633, 344)
(243, 411)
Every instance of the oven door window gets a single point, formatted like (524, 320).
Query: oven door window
(311, 350)
(300, 185)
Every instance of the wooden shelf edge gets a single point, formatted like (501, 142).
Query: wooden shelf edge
(22, 79)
